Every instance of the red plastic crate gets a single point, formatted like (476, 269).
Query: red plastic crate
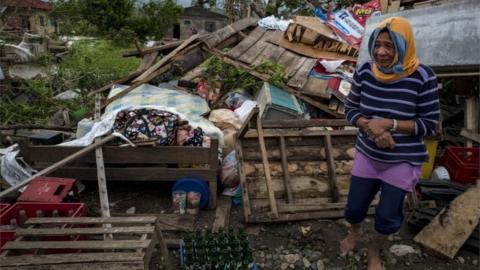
(78, 210)
(462, 163)
(50, 189)
(4, 207)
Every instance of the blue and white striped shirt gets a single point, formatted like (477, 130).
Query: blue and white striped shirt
(411, 98)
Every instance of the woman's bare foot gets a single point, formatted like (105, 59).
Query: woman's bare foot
(349, 242)
(374, 261)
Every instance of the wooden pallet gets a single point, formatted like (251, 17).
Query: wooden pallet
(269, 199)
(89, 243)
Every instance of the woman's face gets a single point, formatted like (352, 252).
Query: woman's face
(384, 50)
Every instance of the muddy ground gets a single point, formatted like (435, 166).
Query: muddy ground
(279, 245)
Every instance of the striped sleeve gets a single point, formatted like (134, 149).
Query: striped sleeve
(428, 110)
(352, 104)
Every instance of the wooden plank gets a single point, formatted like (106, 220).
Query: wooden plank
(212, 185)
(286, 174)
(83, 231)
(120, 81)
(291, 61)
(247, 42)
(243, 179)
(343, 142)
(53, 259)
(306, 50)
(447, 232)
(125, 155)
(316, 87)
(252, 133)
(251, 54)
(320, 106)
(472, 111)
(470, 135)
(147, 61)
(222, 214)
(57, 165)
(220, 35)
(266, 168)
(301, 123)
(331, 168)
(330, 214)
(163, 248)
(300, 78)
(139, 265)
(101, 178)
(166, 58)
(271, 53)
(135, 173)
(91, 220)
(97, 245)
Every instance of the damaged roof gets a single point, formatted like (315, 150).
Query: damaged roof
(37, 4)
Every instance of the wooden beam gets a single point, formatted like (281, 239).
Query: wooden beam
(102, 181)
(472, 111)
(91, 220)
(447, 232)
(303, 123)
(286, 174)
(243, 180)
(470, 135)
(332, 179)
(83, 231)
(120, 81)
(166, 58)
(57, 165)
(252, 133)
(222, 214)
(266, 168)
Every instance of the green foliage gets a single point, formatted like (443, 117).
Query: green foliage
(90, 65)
(234, 78)
(36, 112)
(119, 20)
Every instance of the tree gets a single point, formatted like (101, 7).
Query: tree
(121, 20)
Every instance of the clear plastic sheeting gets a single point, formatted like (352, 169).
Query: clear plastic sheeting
(273, 23)
(14, 170)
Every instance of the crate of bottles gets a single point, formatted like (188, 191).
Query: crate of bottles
(4, 207)
(16, 215)
(222, 250)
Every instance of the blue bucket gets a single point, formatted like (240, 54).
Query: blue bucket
(194, 184)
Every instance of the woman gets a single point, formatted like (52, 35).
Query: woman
(394, 102)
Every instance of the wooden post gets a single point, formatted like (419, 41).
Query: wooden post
(471, 118)
(331, 168)
(266, 167)
(286, 174)
(163, 246)
(102, 181)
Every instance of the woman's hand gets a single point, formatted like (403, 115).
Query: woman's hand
(376, 127)
(384, 140)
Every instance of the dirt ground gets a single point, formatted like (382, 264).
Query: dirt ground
(278, 245)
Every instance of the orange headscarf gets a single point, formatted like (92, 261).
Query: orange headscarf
(406, 61)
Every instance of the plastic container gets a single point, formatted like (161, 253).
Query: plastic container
(193, 202)
(50, 189)
(33, 210)
(462, 163)
(179, 201)
(427, 167)
(194, 184)
(4, 207)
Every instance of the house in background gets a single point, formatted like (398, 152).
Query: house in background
(31, 16)
(198, 20)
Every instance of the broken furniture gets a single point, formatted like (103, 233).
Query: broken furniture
(127, 243)
(277, 104)
(294, 175)
(150, 163)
